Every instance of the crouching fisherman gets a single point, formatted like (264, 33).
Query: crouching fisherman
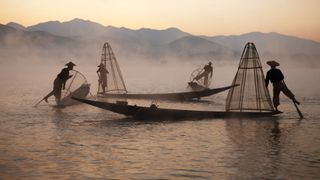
(207, 71)
(276, 77)
(60, 82)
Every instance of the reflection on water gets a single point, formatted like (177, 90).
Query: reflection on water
(83, 142)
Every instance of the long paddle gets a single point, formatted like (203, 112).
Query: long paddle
(41, 100)
(298, 110)
(38, 102)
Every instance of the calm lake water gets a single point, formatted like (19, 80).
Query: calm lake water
(83, 142)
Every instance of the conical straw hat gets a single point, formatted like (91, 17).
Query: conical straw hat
(70, 64)
(273, 63)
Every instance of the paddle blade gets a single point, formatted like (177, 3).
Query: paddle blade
(38, 103)
(298, 110)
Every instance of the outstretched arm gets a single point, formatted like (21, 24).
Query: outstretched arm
(267, 80)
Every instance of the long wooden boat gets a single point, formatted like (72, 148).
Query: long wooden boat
(179, 96)
(148, 113)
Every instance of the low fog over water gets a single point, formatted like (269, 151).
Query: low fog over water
(147, 77)
(143, 76)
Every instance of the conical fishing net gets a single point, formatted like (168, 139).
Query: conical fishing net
(114, 79)
(251, 94)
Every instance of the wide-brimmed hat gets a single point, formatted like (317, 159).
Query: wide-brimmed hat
(70, 64)
(273, 63)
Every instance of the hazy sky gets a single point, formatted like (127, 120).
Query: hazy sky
(200, 17)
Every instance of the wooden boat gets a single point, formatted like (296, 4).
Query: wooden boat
(179, 96)
(153, 112)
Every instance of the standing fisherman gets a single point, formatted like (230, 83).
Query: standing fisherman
(102, 73)
(276, 77)
(60, 82)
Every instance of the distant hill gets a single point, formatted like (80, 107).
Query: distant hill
(85, 28)
(10, 36)
(273, 45)
(76, 27)
(17, 44)
(84, 39)
(193, 47)
(16, 26)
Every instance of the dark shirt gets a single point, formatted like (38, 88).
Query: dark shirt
(64, 76)
(274, 75)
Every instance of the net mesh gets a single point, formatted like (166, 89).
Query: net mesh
(114, 77)
(251, 94)
(198, 76)
(76, 86)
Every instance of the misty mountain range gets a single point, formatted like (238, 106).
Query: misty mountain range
(81, 39)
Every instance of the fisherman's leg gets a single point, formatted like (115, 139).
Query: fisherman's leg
(103, 85)
(276, 100)
(57, 91)
(206, 81)
(289, 94)
(58, 97)
(58, 100)
(55, 86)
(48, 95)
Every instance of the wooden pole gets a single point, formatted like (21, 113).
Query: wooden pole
(41, 100)
(38, 102)
(298, 110)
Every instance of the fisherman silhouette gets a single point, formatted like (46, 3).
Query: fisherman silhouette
(102, 73)
(60, 82)
(207, 71)
(276, 77)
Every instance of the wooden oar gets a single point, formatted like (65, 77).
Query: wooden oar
(298, 110)
(38, 102)
(41, 100)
